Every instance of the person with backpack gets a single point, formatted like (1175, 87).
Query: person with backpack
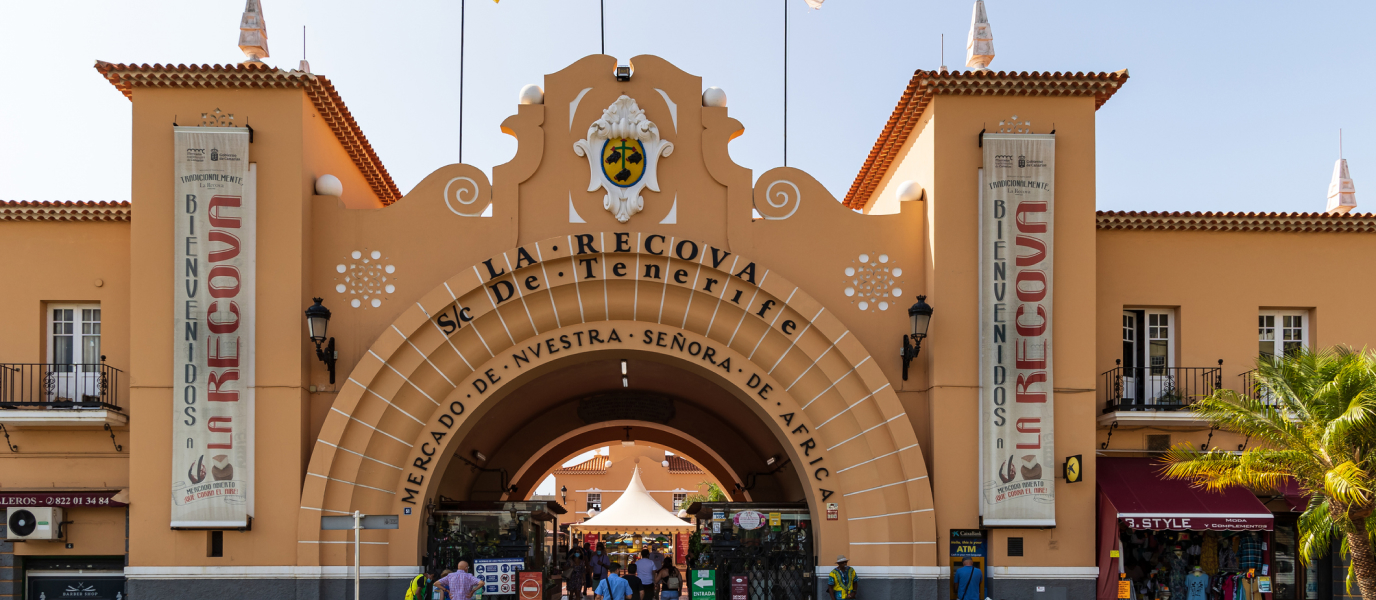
(421, 587)
(967, 580)
(670, 582)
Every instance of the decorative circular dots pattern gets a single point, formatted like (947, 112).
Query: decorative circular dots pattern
(367, 279)
(871, 280)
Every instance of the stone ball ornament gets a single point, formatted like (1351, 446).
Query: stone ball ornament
(531, 94)
(714, 97)
(328, 185)
(909, 191)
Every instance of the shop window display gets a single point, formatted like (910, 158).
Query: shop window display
(1194, 565)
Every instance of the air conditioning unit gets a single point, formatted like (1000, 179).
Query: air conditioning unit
(33, 523)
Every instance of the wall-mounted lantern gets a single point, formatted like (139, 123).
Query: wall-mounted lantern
(318, 321)
(920, 318)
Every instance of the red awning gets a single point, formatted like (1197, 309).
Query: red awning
(1144, 499)
(1295, 496)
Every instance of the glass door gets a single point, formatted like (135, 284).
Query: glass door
(1130, 379)
(74, 354)
(1284, 559)
(1160, 351)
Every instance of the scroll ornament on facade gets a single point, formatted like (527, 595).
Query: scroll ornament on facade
(623, 150)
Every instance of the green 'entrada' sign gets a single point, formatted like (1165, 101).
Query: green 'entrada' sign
(704, 585)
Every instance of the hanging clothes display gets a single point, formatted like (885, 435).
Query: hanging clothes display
(1208, 554)
(1192, 565)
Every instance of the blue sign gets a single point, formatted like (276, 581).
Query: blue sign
(498, 574)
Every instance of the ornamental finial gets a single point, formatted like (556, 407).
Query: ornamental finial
(253, 33)
(979, 49)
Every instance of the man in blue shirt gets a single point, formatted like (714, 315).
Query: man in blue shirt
(613, 587)
(968, 578)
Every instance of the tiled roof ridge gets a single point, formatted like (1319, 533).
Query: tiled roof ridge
(1312, 222)
(126, 77)
(924, 85)
(76, 210)
(678, 464)
(596, 464)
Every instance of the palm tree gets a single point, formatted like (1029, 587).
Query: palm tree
(714, 494)
(1313, 415)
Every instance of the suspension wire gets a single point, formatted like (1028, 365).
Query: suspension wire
(462, 6)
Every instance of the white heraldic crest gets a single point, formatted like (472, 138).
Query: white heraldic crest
(623, 150)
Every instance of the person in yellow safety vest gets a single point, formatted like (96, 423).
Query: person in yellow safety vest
(841, 580)
(420, 587)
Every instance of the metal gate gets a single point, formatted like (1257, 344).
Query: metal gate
(775, 571)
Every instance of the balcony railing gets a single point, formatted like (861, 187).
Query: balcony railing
(1251, 388)
(91, 385)
(1158, 388)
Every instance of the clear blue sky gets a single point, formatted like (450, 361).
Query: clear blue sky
(1231, 105)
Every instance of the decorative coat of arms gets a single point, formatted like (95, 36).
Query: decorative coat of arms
(623, 149)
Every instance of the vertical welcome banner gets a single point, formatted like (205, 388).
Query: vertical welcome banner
(1017, 432)
(213, 279)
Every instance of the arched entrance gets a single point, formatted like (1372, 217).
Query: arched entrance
(429, 381)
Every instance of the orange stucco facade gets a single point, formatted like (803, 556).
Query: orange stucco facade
(486, 356)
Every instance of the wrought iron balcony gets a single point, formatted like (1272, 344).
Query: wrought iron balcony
(1251, 388)
(59, 386)
(1157, 388)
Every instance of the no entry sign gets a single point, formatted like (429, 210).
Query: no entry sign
(532, 585)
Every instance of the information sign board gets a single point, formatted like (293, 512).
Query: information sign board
(499, 575)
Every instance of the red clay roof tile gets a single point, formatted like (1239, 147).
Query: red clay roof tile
(924, 85)
(43, 210)
(126, 78)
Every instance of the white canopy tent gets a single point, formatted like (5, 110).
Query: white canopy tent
(634, 512)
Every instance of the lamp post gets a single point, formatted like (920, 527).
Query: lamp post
(318, 322)
(564, 495)
(920, 318)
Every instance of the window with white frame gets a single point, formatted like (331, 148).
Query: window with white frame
(595, 502)
(73, 353)
(678, 500)
(75, 330)
(1281, 332)
(1159, 350)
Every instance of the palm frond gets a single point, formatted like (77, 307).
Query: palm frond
(1348, 484)
(1316, 530)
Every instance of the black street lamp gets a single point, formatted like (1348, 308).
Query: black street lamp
(564, 495)
(318, 321)
(920, 318)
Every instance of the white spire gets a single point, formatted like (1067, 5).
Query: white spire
(979, 49)
(1342, 195)
(253, 32)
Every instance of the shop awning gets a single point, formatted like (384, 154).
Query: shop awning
(1295, 496)
(1144, 499)
(634, 512)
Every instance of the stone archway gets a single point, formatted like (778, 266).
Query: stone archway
(481, 334)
